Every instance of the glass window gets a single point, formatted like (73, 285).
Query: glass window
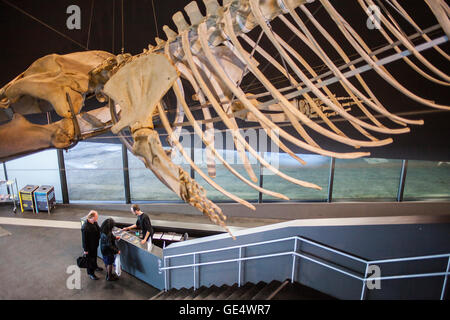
(144, 185)
(366, 178)
(316, 170)
(2, 172)
(225, 178)
(3, 187)
(427, 179)
(37, 169)
(95, 172)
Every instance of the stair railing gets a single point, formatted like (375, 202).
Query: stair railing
(364, 278)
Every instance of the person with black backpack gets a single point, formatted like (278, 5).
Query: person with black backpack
(108, 248)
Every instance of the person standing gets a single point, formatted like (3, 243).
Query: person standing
(108, 248)
(90, 236)
(143, 222)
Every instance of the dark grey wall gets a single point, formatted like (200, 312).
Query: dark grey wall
(371, 242)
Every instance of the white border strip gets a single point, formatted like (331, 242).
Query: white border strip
(40, 223)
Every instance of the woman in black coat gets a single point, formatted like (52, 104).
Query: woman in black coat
(108, 248)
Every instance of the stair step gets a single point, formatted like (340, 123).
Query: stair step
(216, 293)
(196, 293)
(279, 289)
(205, 293)
(169, 294)
(253, 291)
(296, 291)
(180, 293)
(267, 290)
(227, 292)
(240, 291)
(156, 296)
(275, 290)
(189, 292)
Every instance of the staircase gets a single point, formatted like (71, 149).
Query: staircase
(274, 290)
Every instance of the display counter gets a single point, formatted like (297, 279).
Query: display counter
(143, 264)
(134, 257)
(137, 261)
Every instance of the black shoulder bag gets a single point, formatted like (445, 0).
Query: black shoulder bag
(82, 262)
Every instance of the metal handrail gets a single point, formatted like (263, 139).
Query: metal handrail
(434, 256)
(333, 250)
(229, 260)
(231, 248)
(272, 241)
(295, 254)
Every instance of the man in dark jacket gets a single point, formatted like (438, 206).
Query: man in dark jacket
(143, 223)
(90, 236)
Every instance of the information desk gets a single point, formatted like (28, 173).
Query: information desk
(139, 262)
(134, 257)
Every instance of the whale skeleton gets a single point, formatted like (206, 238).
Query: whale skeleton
(209, 55)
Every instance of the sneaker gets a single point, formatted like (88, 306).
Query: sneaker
(115, 276)
(111, 278)
(93, 277)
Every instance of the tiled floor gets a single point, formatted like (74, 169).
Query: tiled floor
(34, 262)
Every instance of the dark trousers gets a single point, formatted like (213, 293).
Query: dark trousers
(92, 263)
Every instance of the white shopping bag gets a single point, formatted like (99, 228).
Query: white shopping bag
(117, 264)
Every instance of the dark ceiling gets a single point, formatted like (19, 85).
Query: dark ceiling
(31, 29)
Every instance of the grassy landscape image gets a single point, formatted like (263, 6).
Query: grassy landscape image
(94, 173)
